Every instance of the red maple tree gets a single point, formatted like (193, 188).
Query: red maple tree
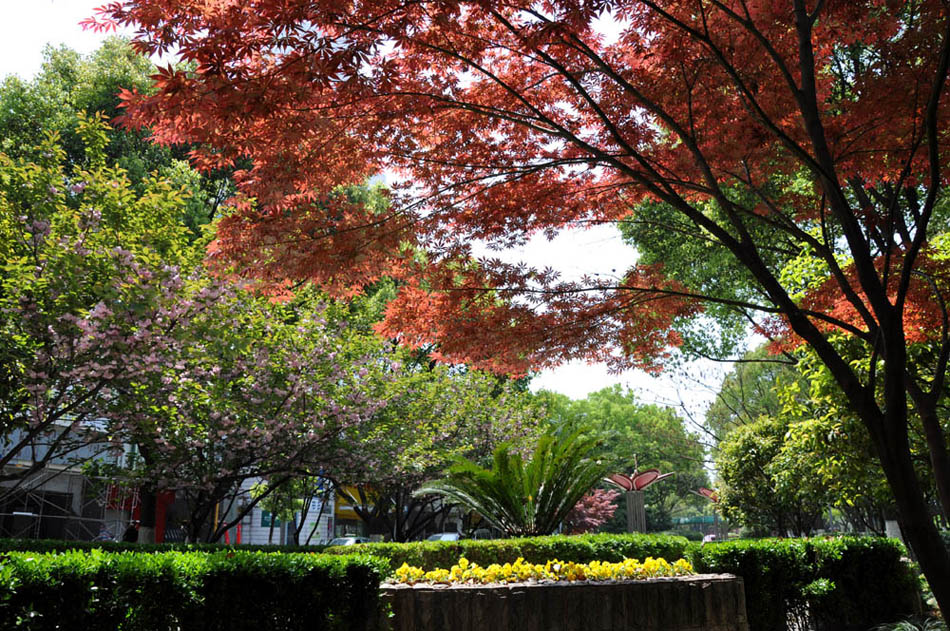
(592, 511)
(774, 131)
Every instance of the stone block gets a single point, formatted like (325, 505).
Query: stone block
(713, 602)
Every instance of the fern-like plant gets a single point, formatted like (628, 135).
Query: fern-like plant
(914, 624)
(525, 497)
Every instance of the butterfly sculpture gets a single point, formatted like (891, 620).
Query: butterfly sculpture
(636, 481)
(709, 494)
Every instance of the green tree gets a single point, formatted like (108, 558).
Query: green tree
(88, 273)
(114, 334)
(824, 429)
(749, 392)
(760, 485)
(704, 266)
(823, 442)
(636, 435)
(69, 84)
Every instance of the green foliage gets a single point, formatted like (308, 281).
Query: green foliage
(748, 392)
(836, 446)
(790, 447)
(847, 583)
(430, 555)
(433, 416)
(662, 237)
(85, 264)
(69, 84)
(760, 486)
(227, 591)
(913, 624)
(109, 321)
(50, 546)
(525, 497)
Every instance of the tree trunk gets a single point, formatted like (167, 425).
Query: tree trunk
(939, 458)
(147, 512)
(914, 516)
(304, 513)
(324, 498)
(921, 535)
(198, 518)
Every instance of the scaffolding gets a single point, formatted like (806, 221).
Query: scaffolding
(62, 504)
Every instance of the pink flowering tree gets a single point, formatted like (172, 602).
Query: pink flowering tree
(113, 335)
(247, 389)
(82, 292)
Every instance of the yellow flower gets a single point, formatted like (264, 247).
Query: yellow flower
(466, 572)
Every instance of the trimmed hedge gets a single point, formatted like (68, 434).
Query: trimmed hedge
(59, 545)
(840, 584)
(190, 591)
(430, 555)
(846, 583)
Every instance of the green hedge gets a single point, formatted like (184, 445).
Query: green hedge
(843, 583)
(579, 548)
(59, 545)
(846, 583)
(189, 591)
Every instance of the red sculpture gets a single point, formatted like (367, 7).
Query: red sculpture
(638, 480)
(709, 494)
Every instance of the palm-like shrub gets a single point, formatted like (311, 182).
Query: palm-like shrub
(914, 624)
(525, 497)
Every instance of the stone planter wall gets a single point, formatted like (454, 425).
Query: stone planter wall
(712, 602)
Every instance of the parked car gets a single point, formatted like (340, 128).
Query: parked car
(348, 541)
(443, 536)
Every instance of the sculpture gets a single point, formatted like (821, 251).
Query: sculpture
(633, 486)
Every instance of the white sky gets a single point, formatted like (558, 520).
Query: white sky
(28, 25)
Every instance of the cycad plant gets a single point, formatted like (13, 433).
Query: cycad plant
(525, 497)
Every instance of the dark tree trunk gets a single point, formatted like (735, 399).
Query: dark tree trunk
(917, 526)
(147, 512)
(890, 436)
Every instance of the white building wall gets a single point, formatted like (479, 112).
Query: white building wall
(255, 528)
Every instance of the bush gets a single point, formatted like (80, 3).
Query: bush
(59, 545)
(430, 555)
(225, 590)
(847, 583)
(691, 535)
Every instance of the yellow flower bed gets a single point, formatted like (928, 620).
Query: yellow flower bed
(519, 571)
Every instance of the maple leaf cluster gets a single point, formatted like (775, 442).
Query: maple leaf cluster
(592, 511)
(505, 121)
